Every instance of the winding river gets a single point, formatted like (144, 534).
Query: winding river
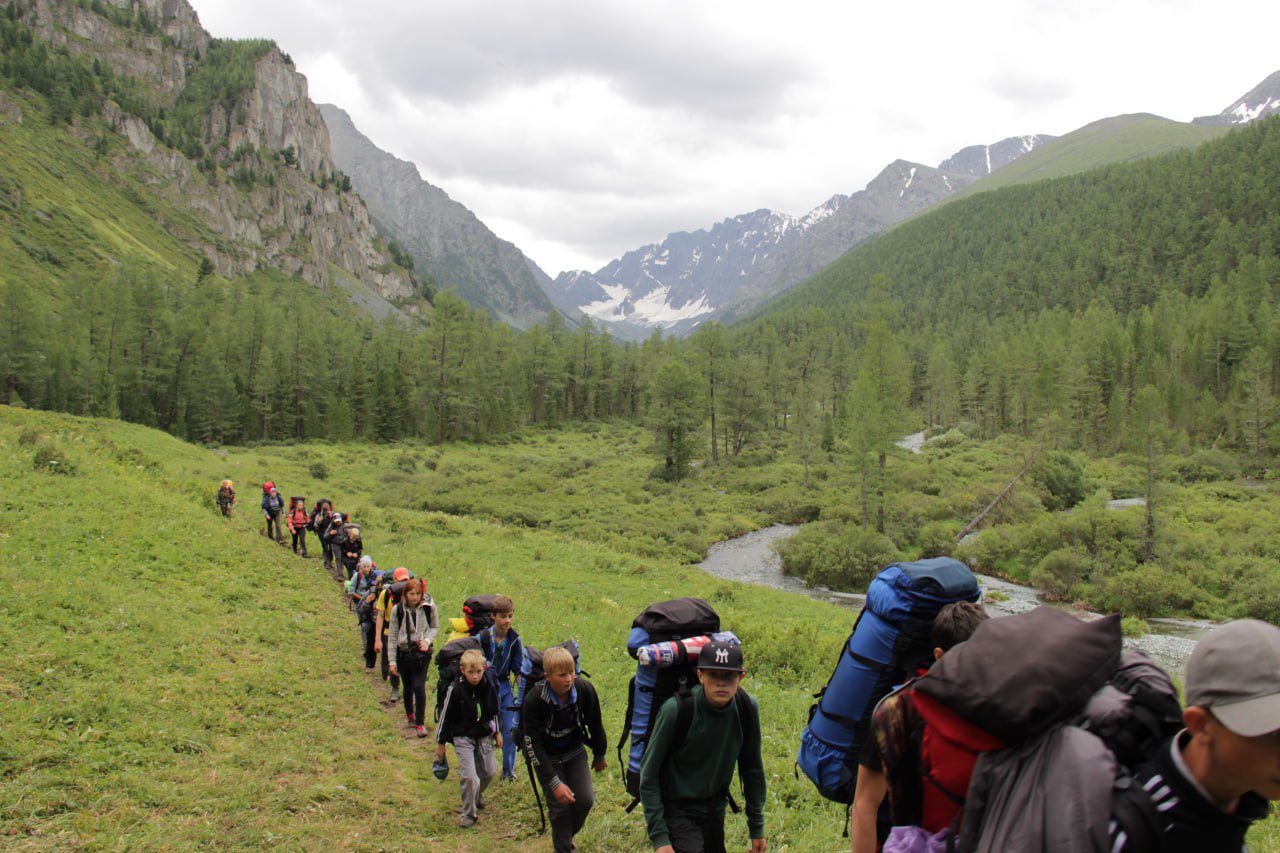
(752, 559)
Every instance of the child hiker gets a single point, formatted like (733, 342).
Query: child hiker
(504, 651)
(226, 498)
(413, 630)
(560, 719)
(469, 720)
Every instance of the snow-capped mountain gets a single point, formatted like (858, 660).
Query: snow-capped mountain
(691, 277)
(1263, 100)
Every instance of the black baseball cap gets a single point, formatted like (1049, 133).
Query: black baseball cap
(721, 655)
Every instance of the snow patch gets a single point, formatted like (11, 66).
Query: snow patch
(910, 177)
(1243, 113)
(988, 150)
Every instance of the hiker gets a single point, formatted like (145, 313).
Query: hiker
(684, 780)
(297, 521)
(320, 526)
(388, 597)
(364, 592)
(560, 719)
(1214, 778)
(352, 547)
(226, 498)
(272, 507)
(469, 720)
(504, 651)
(409, 640)
(334, 536)
(954, 624)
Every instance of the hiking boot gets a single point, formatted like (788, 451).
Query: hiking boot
(480, 802)
(422, 732)
(466, 821)
(395, 695)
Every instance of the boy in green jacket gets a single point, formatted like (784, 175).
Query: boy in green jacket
(684, 787)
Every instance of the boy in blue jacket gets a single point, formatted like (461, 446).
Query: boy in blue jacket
(505, 652)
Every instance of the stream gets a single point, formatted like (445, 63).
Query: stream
(752, 559)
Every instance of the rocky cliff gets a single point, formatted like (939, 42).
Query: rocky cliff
(254, 164)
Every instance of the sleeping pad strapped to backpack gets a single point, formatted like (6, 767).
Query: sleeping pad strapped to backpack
(653, 684)
(889, 642)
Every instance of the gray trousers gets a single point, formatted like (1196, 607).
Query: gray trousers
(476, 769)
(574, 769)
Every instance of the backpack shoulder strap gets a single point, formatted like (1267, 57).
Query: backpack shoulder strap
(684, 716)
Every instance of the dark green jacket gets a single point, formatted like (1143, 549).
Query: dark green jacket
(698, 773)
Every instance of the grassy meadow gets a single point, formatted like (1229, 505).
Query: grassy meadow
(175, 681)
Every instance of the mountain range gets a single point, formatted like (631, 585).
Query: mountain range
(743, 261)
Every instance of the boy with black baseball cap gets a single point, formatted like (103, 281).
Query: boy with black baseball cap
(1218, 773)
(684, 781)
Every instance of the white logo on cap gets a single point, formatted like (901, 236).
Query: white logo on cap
(722, 655)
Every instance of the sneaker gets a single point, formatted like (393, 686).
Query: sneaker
(394, 697)
(466, 821)
(422, 732)
(508, 777)
(409, 719)
(480, 801)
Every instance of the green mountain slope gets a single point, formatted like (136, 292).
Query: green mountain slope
(1122, 234)
(1111, 140)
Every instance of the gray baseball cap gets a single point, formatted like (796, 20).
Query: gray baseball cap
(1235, 673)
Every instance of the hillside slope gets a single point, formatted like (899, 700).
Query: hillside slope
(117, 124)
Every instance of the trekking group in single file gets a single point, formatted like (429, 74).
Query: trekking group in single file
(940, 729)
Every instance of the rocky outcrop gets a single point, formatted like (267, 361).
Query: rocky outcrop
(260, 207)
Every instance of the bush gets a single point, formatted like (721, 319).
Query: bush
(1205, 466)
(950, 438)
(840, 557)
(52, 460)
(319, 471)
(1133, 626)
(1060, 571)
(1060, 480)
(1148, 590)
(407, 464)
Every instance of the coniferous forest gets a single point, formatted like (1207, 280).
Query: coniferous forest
(1130, 312)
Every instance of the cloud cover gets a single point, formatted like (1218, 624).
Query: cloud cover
(580, 130)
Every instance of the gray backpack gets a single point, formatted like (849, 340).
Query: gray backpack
(1077, 723)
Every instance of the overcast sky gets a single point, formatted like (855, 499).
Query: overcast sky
(582, 129)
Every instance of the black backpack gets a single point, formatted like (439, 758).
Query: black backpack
(478, 611)
(448, 666)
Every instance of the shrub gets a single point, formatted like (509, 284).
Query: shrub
(844, 558)
(52, 460)
(1060, 480)
(1133, 626)
(1205, 466)
(1148, 590)
(406, 464)
(1059, 573)
(950, 438)
(319, 471)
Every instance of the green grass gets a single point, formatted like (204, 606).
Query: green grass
(176, 681)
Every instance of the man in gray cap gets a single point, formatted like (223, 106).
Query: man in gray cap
(1218, 773)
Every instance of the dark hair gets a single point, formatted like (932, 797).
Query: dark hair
(956, 623)
(502, 604)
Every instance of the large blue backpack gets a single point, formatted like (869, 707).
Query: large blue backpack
(889, 642)
(678, 619)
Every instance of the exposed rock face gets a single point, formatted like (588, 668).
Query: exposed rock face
(1261, 101)
(288, 214)
(447, 241)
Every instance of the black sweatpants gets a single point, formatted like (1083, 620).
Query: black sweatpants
(692, 831)
(300, 539)
(414, 688)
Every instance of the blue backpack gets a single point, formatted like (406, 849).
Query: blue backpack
(889, 642)
(664, 621)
